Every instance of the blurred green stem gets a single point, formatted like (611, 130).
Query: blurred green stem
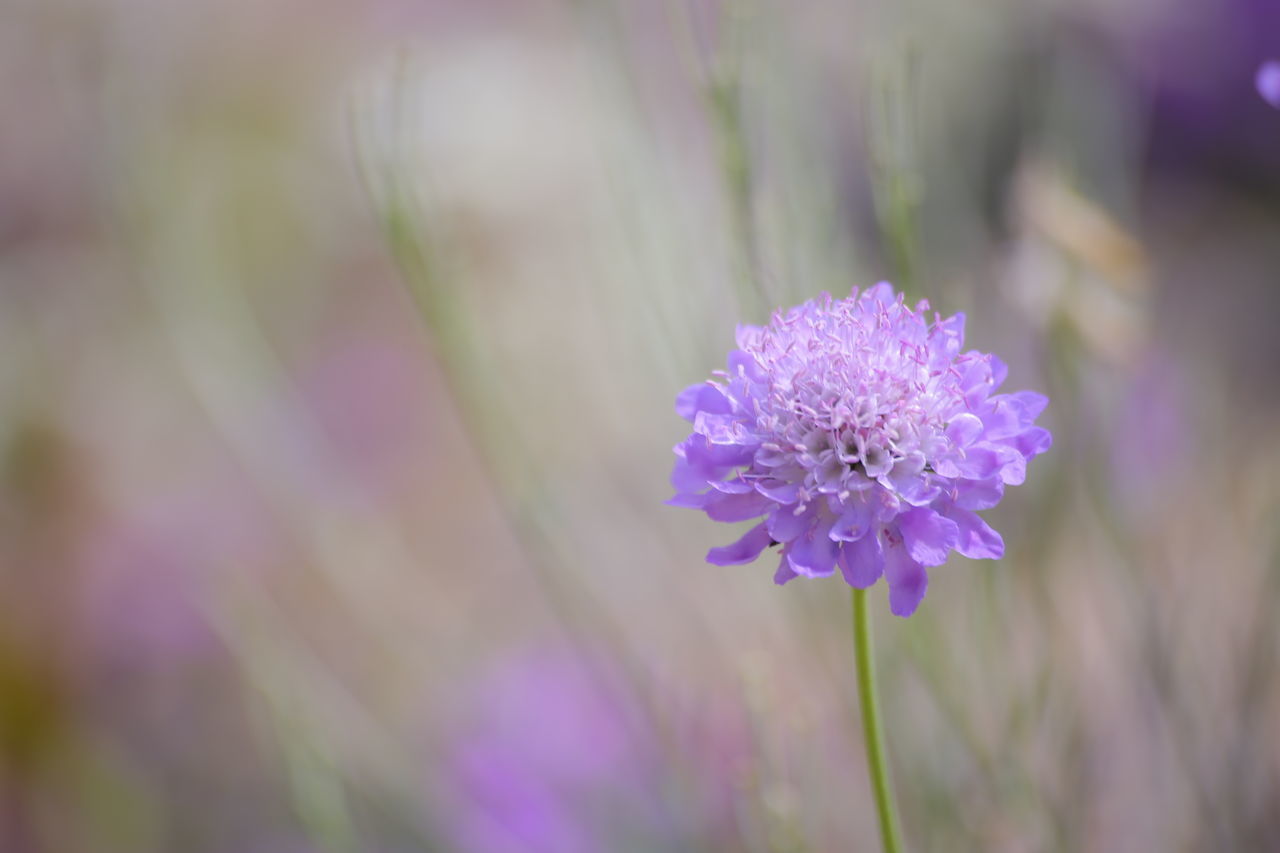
(724, 96)
(872, 728)
(897, 183)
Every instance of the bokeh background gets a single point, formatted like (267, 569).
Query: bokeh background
(338, 348)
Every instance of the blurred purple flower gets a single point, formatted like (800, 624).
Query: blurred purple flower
(365, 397)
(556, 757)
(146, 572)
(1199, 70)
(1268, 82)
(863, 437)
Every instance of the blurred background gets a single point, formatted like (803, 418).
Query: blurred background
(338, 348)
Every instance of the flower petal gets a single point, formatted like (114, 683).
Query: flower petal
(853, 524)
(703, 397)
(744, 550)
(736, 486)
(999, 370)
(907, 580)
(688, 500)
(814, 554)
(723, 428)
(948, 465)
(784, 573)
(1033, 442)
(978, 540)
(779, 491)
(979, 494)
(1013, 466)
(747, 336)
(786, 524)
(910, 482)
(715, 459)
(722, 507)
(929, 537)
(1032, 404)
(862, 562)
(830, 472)
(948, 336)
(964, 429)
(686, 477)
(876, 461)
(882, 292)
(975, 380)
(979, 462)
(687, 401)
(745, 365)
(1001, 417)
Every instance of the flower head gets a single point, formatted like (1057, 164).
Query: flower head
(863, 438)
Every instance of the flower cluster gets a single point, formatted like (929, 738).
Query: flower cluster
(864, 438)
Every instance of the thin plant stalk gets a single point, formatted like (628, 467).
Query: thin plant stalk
(873, 726)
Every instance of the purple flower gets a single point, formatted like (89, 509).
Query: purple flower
(544, 731)
(1268, 82)
(557, 755)
(862, 437)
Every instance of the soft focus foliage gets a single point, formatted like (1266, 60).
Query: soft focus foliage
(337, 346)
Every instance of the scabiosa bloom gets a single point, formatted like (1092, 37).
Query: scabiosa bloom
(862, 436)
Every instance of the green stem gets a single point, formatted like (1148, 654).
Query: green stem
(872, 728)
